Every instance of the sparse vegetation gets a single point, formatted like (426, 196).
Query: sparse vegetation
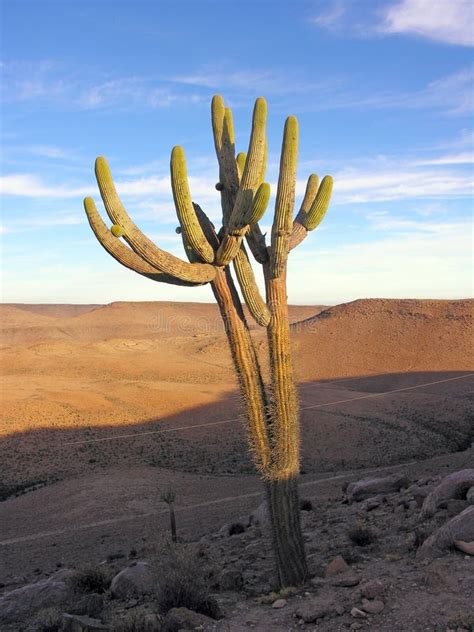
(89, 579)
(360, 535)
(169, 498)
(183, 582)
(48, 620)
(236, 527)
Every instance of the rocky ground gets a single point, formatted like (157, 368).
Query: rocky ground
(380, 558)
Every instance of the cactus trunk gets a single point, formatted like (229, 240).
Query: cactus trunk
(287, 538)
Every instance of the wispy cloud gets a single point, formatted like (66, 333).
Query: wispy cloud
(447, 21)
(45, 82)
(444, 21)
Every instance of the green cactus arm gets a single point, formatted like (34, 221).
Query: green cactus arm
(185, 209)
(240, 161)
(285, 198)
(140, 243)
(223, 131)
(120, 252)
(251, 177)
(299, 232)
(248, 285)
(234, 234)
(313, 208)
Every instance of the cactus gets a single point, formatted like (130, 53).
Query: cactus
(169, 498)
(271, 413)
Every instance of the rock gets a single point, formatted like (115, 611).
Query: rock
(459, 528)
(315, 609)
(279, 603)
(346, 580)
(184, 619)
(372, 589)
(336, 566)
(357, 613)
(133, 581)
(368, 487)
(455, 506)
(77, 623)
(373, 503)
(372, 607)
(465, 547)
(261, 516)
(26, 601)
(470, 495)
(230, 579)
(91, 604)
(152, 623)
(455, 485)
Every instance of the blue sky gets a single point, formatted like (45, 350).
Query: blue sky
(382, 90)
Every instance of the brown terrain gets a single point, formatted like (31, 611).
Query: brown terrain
(105, 407)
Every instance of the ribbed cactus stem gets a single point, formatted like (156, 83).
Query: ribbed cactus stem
(285, 198)
(185, 209)
(320, 204)
(223, 131)
(249, 288)
(299, 232)
(250, 180)
(247, 368)
(121, 253)
(144, 247)
(240, 160)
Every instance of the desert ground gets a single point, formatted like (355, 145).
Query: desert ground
(105, 407)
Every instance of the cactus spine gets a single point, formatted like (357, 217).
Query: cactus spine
(272, 415)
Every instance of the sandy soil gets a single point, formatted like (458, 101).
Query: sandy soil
(104, 407)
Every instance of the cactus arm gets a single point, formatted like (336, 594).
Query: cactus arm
(240, 161)
(184, 207)
(122, 253)
(313, 208)
(140, 243)
(285, 198)
(299, 232)
(247, 368)
(251, 177)
(249, 288)
(235, 233)
(223, 131)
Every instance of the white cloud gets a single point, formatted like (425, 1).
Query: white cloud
(448, 21)
(331, 17)
(409, 263)
(28, 185)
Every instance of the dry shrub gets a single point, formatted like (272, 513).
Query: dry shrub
(183, 582)
(361, 536)
(48, 620)
(89, 579)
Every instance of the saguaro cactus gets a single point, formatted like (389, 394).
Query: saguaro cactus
(271, 411)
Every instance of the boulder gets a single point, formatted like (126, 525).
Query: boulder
(470, 495)
(261, 516)
(318, 608)
(465, 547)
(372, 589)
(461, 527)
(336, 566)
(133, 581)
(184, 619)
(454, 486)
(372, 606)
(369, 487)
(24, 602)
(77, 623)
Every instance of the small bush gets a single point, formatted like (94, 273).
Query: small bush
(89, 580)
(306, 505)
(184, 583)
(135, 622)
(361, 536)
(48, 620)
(236, 527)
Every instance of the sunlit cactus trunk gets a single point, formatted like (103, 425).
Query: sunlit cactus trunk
(271, 411)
